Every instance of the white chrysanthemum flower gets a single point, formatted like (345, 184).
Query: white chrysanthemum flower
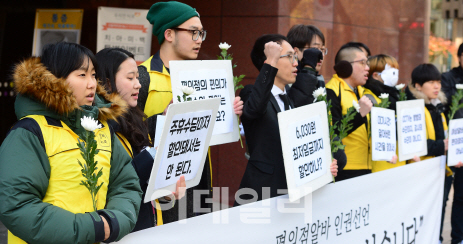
(187, 90)
(89, 123)
(356, 106)
(384, 96)
(459, 86)
(400, 86)
(224, 46)
(319, 92)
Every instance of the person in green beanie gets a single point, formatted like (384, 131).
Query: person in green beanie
(180, 33)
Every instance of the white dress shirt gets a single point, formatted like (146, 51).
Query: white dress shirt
(276, 91)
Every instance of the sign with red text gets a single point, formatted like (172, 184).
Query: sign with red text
(125, 28)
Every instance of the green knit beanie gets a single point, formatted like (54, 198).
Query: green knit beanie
(166, 15)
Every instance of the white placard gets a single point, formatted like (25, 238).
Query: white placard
(383, 134)
(411, 129)
(367, 209)
(455, 152)
(306, 148)
(160, 120)
(125, 28)
(183, 146)
(210, 79)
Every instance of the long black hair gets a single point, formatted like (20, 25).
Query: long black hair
(132, 124)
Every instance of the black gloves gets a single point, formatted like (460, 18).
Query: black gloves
(311, 57)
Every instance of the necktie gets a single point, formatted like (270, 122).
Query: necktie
(285, 99)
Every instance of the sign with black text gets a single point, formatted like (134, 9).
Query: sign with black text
(306, 148)
(183, 146)
(455, 152)
(370, 209)
(411, 129)
(383, 136)
(209, 79)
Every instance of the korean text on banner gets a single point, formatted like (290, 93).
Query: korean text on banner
(183, 146)
(56, 25)
(367, 209)
(306, 148)
(210, 79)
(411, 129)
(455, 152)
(383, 134)
(125, 28)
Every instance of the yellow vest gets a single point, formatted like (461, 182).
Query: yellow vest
(357, 141)
(377, 166)
(159, 91)
(430, 132)
(64, 189)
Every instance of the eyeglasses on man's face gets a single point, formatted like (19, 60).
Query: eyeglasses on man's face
(195, 33)
(363, 62)
(292, 57)
(324, 50)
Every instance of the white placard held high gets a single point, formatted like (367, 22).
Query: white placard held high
(455, 152)
(183, 146)
(210, 79)
(411, 129)
(383, 134)
(306, 148)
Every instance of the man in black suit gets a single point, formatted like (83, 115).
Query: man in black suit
(265, 175)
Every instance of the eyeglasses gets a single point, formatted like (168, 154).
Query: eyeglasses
(363, 62)
(195, 33)
(324, 50)
(291, 57)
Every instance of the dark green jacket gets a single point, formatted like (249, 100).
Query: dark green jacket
(25, 169)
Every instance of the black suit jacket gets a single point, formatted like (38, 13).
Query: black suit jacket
(265, 167)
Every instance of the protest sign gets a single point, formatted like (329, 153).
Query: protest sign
(125, 28)
(305, 142)
(367, 209)
(183, 146)
(210, 79)
(383, 134)
(411, 129)
(56, 25)
(455, 152)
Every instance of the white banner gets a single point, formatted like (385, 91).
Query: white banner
(383, 134)
(399, 205)
(411, 129)
(455, 152)
(124, 28)
(305, 142)
(183, 146)
(210, 79)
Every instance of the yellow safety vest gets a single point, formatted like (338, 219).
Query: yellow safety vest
(64, 189)
(159, 91)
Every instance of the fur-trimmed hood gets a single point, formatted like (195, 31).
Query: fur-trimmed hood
(33, 80)
(420, 95)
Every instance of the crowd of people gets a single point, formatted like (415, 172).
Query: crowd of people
(43, 200)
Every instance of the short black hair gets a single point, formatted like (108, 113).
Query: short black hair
(301, 35)
(425, 72)
(64, 57)
(257, 54)
(357, 45)
(110, 60)
(460, 50)
(346, 53)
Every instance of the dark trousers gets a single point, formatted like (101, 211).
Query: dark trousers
(348, 174)
(457, 208)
